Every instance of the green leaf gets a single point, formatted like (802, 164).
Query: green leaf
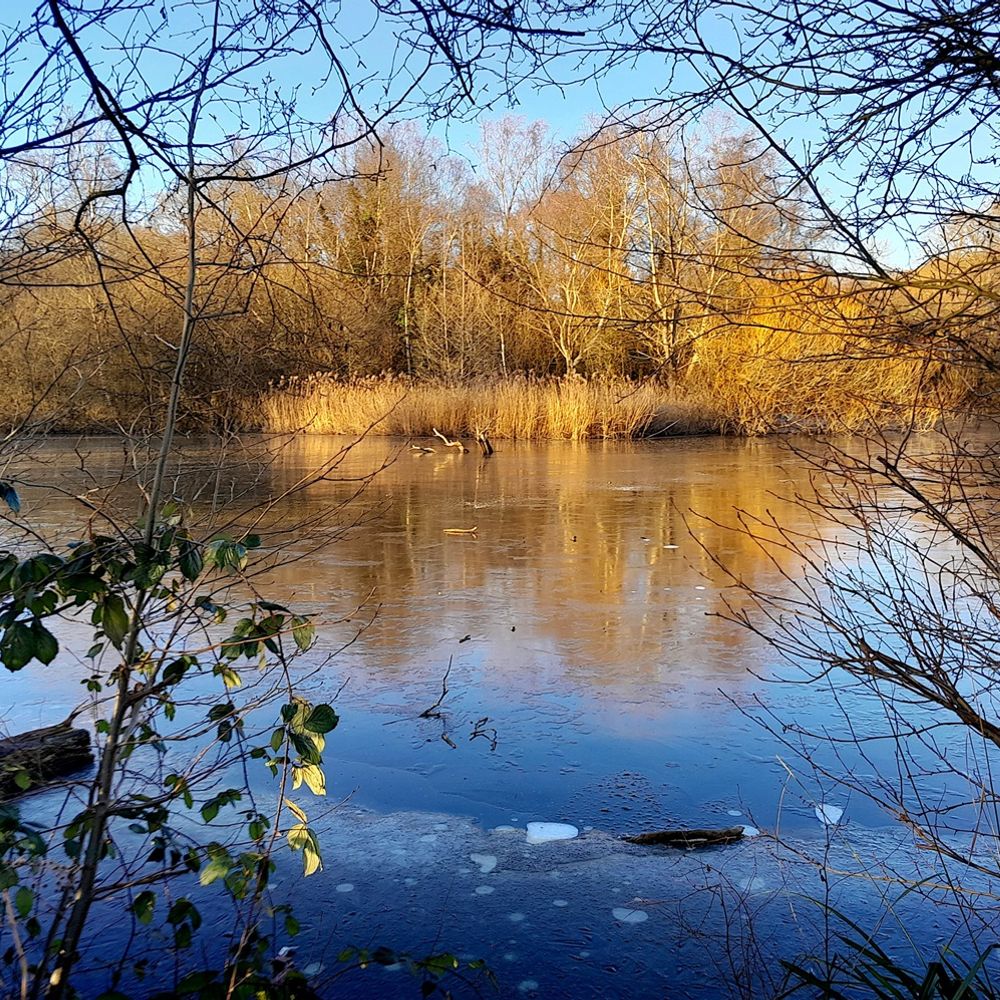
(17, 646)
(229, 676)
(46, 646)
(322, 719)
(9, 496)
(23, 899)
(271, 606)
(196, 982)
(225, 554)
(217, 868)
(306, 748)
(303, 632)
(190, 560)
(143, 905)
(114, 619)
(23, 780)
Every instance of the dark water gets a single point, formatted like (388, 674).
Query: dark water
(591, 678)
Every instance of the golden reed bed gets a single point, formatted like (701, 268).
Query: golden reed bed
(806, 398)
(529, 409)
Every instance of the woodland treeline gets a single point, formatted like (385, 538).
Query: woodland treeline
(642, 255)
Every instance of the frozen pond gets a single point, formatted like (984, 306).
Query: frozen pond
(588, 681)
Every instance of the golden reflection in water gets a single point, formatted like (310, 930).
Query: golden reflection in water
(590, 565)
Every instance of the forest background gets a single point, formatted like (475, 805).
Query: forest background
(643, 279)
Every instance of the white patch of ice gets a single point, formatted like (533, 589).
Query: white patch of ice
(345, 887)
(733, 812)
(828, 815)
(486, 862)
(542, 833)
(527, 985)
(440, 826)
(629, 916)
(483, 890)
(515, 918)
(409, 881)
(750, 831)
(313, 969)
(560, 902)
(428, 838)
(505, 829)
(509, 956)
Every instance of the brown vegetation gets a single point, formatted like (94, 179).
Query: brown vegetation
(628, 287)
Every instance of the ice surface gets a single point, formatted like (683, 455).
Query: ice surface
(405, 896)
(542, 833)
(486, 862)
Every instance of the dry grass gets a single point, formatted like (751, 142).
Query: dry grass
(528, 409)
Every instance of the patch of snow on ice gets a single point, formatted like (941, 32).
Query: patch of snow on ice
(829, 815)
(542, 833)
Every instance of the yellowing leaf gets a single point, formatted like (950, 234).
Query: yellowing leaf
(296, 811)
(314, 777)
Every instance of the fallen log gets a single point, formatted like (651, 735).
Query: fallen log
(450, 444)
(688, 839)
(41, 756)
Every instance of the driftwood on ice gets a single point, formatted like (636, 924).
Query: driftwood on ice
(42, 756)
(688, 838)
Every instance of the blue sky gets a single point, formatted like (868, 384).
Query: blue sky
(369, 50)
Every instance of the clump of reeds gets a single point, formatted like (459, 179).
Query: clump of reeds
(516, 407)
